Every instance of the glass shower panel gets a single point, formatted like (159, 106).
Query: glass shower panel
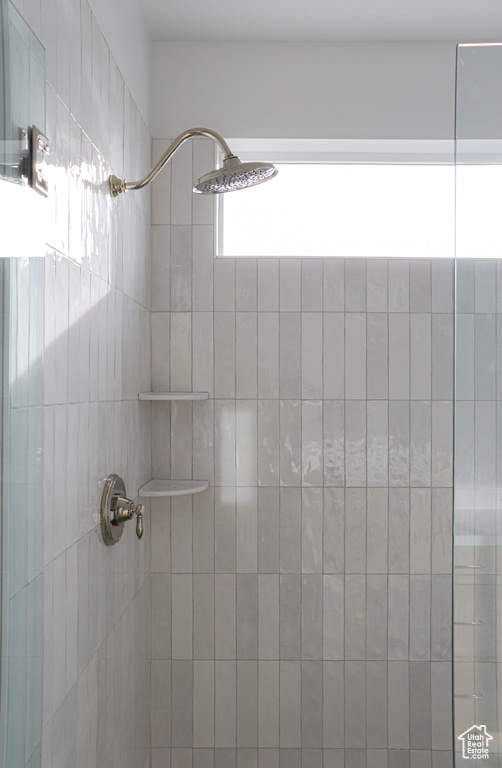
(22, 103)
(478, 408)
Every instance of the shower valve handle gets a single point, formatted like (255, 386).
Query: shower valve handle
(139, 520)
(123, 509)
(116, 509)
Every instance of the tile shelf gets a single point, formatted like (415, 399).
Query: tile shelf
(158, 396)
(159, 487)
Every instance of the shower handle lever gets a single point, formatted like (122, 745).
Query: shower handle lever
(124, 509)
(116, 509)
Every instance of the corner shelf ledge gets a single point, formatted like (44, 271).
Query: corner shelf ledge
(173, 487)
(173, 395)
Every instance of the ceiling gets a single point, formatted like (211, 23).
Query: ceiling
(325, 20)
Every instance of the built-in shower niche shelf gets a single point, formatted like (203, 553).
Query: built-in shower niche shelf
(173, 487)
(173, 395)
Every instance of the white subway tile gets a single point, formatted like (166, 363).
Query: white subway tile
(421, 356)
(290, 280)
(202, 268)
(355, 700)
(398, 616)
(442, 357)
(246, 285)
(442, 285)
(377, 443)
(355, 285)
(247, 704)
(312, 352)
(312, 442)
(485, 284)
(420, 617)
(399, 356)
(355, 616)
(225, 615)
(268, 442)
(160, 351)
(181, 440)
(420, 443)
(247, 530)
(246, 354)
(355, 356)
(268, 617)
(376, 285)
(312, 285)
(355, 441)
(203, 616)
(225, 530)
(203, 440)
(224, 354)
(181, 268)
(312, 715)
(161, 264)
(224, 464)
(181, 585)
(376, 711)
(334, 442)
(290, 442)
(333, 731)
(333, 617)
(377, 530)
(290, 704)
(161, 616)
(181, 534)
(334, 355)
(398, 285)
(268, 285)
(334, 285)
(203, 350)
(312, 525)
(399, 443)
(268, 530)
(376, 617)
(203, 532)
(268, 704)
(246, 442)
(333, 530)
(290, 530)
(377, 356)
(224, 285)
(399, 717)
(290, 351)
(268, 355)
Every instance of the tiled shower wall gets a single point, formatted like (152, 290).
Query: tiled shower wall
(301, 606)
(97, 357)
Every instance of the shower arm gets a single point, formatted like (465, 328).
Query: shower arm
(121, 185)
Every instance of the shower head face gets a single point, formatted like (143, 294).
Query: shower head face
(233, 176)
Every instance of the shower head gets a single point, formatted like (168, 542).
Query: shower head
(233, 175)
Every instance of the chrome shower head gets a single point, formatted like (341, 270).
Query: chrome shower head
(234, 175)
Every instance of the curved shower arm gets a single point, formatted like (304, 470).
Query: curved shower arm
(121, 185)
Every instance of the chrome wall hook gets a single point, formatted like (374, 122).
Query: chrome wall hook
(117, 509)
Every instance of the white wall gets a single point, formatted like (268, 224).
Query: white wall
(305, 90)
(124, 28)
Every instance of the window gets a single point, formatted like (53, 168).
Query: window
(343, 199)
